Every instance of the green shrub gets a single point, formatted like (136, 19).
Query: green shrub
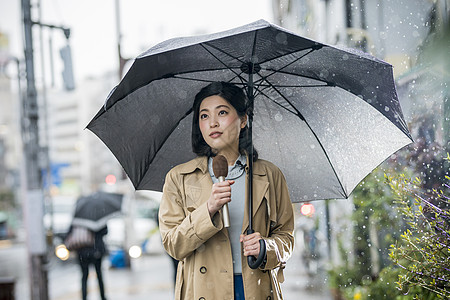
(423, 251)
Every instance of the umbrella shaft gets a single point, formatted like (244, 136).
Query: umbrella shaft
(250, 154)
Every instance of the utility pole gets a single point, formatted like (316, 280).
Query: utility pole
(122, 60)
(33, 198)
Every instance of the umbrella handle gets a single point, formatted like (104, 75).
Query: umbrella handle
(252, 261)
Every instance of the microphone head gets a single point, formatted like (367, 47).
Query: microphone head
(220, 166)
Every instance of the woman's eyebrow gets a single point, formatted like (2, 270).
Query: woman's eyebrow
(217, 107)
(222, 106)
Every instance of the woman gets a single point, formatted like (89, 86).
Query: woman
(213, 263)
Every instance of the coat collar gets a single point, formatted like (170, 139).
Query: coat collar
(201, 163)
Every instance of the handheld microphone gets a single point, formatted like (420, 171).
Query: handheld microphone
(220, 169)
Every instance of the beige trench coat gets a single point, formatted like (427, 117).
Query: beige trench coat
(202, 245)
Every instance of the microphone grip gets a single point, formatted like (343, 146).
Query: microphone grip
(225, 211)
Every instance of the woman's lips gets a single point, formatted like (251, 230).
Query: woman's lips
(215, 134)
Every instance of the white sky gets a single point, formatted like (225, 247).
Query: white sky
(143, 24)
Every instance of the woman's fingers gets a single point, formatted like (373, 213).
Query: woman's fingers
(222, 191)
(250, 244)
(220, 194)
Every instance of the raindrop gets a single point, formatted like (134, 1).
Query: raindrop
(281, 38)
(386, 108)
(312, 146)
(278, 117)
(345, 57)
(324, 73)
(182, 94)
(155, 119)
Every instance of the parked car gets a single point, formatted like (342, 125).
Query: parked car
(136, 230)
(58, 216)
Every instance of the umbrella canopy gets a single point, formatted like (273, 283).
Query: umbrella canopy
(325, 116)
(95, 210)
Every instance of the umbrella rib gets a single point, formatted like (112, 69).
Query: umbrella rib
(313, 132)
(292, 112)
(297, 112)
(220, 50)
(192, 79)
(297, 59)
(296, 86)
(327, 83)
(328, 159)
(209, 81)
(219, 60)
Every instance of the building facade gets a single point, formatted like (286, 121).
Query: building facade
(396, 32)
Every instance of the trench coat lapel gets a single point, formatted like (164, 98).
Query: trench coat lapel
(199, 186)
(203, 182)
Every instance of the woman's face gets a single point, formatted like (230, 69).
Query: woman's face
(220, 125)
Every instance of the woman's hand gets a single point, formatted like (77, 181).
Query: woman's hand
(220, 194)
(251, 244)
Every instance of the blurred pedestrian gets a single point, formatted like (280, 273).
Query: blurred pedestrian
(92, 254)
(212, 258)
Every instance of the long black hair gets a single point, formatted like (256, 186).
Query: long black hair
(233, 95)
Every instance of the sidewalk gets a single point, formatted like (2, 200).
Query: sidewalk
(299, 285)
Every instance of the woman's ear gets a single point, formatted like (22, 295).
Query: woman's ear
(243, 121)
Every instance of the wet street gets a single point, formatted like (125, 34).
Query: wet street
(150, 277)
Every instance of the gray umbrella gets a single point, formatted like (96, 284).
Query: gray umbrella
(326, 116)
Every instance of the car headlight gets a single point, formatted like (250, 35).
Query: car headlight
(61, 252)
(135, 251)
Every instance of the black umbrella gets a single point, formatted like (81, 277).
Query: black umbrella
(95, 210)
(326, 116)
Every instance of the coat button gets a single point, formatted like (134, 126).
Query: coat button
(203, 270)
(201, 298)
(269, 298)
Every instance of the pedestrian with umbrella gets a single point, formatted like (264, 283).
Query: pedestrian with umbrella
(90, 251)
(87, 231)
(325, 116)
(212, 257)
